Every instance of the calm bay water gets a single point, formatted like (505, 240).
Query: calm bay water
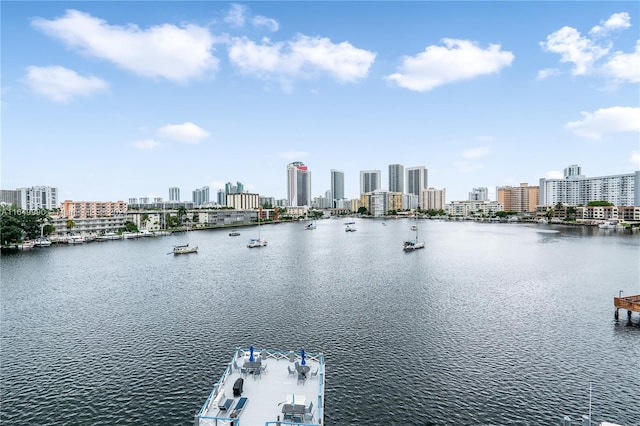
(490, 324)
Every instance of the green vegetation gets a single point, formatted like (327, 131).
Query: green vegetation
(599, 204)
(17, 225)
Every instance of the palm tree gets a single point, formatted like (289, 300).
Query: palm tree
(70, 224)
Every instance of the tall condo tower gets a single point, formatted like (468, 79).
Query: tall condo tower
(396, 178)
(174, 193)
(298, 184)
(337, 186)
(369, 181)
(417, 182)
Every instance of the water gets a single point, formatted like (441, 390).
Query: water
(490, 324)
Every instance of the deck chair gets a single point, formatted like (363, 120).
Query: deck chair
(235, 366)
(301, 378)
(315, 372)
(308, 413)
(239, 407)
(292, 372)
(257, 373)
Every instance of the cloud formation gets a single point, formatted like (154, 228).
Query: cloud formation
(164, 51)
(606, 120)
(186, 133)
(591, 54)
(302, 57)
(456, 60)
(61, 84)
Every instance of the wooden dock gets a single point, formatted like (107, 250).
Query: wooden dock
(630, 303)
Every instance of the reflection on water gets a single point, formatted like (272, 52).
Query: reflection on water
(490, 324)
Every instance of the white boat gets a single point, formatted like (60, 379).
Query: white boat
(184, 249)
(350, 228)
(26, 245)
(42, 242)
(234, 233)
(608, 225)
(310, 226)
(109, 236)
(267, 388)
(411, 245)
(75, 239)
(130, 235)
(256, 242)
(543, 221)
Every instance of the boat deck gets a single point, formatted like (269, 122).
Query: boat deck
(266, 393)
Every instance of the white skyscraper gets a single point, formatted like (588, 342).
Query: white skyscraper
(174, 194)
(417, 182)
(298, 184)
(396, 178)
(337, 186)
(369, 181)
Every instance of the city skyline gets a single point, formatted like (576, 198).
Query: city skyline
(481, 94)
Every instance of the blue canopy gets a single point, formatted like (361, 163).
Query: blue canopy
(302, 355)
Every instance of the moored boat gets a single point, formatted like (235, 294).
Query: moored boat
(608, 225)
(184, 249)
(234, 233)
(267, 388)
(42, 242)
(75, 239)
(26, 245)
(256, 242)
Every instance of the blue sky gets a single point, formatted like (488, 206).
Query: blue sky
(113, 100)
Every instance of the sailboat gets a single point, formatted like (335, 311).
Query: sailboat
(185, 248)
(257, 242)
(410, 245)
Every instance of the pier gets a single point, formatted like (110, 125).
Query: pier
(630, 303)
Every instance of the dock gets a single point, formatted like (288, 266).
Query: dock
(630, 303)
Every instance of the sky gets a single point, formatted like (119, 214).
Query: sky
(115, 100)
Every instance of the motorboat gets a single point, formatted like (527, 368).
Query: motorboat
(42, 242)
(608, 225)
(265, 388)
(75, 239)
(184, 249)
(26, 245)
(411, 245)
(234, 233)
(350, 228)
(310, 226)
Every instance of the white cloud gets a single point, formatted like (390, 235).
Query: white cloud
(268, 23)
(186, 133)
(554, 174)
(475, 152)
(634, 159)
(294, 155)
(617, 21)
(146, 144)
(302, 57)
(166, 51)
(62, 84)
(573, 48)
(236, 15)
(485, 138)
(546, 73)
(606, 120)
(456, 60)
(625, 67)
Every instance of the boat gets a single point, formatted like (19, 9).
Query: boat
(234, 233)
(411, 245)
(184, 249)
(310, 226)
(543, 221)
(75, 239)
(257, 242)
(350, 228)
(265, 388)
(130, 235)
(109, 236)
(42, 242)
(26, 245)
(608, 225)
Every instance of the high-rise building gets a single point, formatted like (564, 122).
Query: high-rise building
(298, 184)
(435, 199)
(337, 186)
(222, 197)
(230, 188)
(200, 196)
(417, 181)
(369, 181)
(38, 197)
(576, 189)
(174, 194)
(479, 194)
(522, 199)
(396, 178)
